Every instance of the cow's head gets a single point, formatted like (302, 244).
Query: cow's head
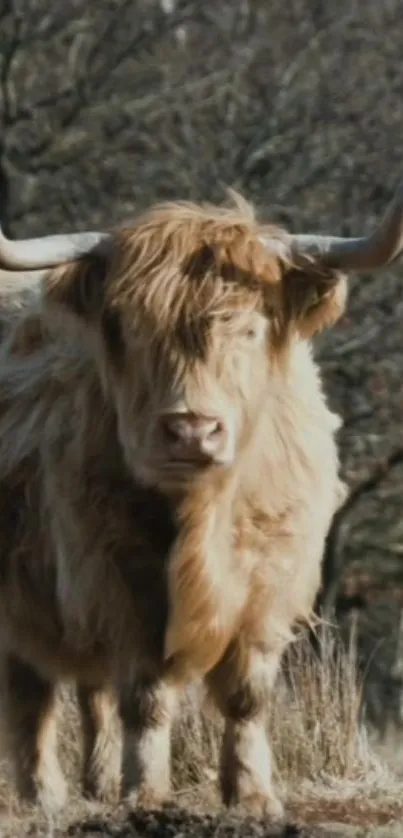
(195, 305)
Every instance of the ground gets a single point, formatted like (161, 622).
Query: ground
(174, 822)
(179, 822)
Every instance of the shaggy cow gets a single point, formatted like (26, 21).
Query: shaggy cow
(168, 473)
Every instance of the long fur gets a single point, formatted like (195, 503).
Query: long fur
(101, 576)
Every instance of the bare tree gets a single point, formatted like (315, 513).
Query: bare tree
(334, 554)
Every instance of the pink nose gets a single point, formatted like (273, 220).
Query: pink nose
(190, 435)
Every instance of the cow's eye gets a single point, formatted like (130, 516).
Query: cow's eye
(254, 332)
(249, 333)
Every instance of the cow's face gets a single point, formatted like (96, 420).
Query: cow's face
(190, 393)
(193, 311)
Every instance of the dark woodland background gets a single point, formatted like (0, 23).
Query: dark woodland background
(108, 106)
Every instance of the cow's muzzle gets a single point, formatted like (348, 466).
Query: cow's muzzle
(192, 438)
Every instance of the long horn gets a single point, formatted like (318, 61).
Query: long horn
(48, 251)
(359, 254)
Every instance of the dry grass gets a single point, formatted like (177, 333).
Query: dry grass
(326, 767)
(323, 755)
(315, 719)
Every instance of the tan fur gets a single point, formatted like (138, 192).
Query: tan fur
(102, 743)
(115, 570)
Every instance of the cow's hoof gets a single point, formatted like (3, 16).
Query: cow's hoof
(259, 805)
(147, 798)
(103, 789)
(52, 795)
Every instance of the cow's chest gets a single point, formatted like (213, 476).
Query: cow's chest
(134, 531)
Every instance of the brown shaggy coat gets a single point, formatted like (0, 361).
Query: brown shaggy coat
(117, 568)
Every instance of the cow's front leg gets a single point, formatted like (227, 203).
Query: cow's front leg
(30, 733)
(147, 709)
(102, 743)
(240, 685)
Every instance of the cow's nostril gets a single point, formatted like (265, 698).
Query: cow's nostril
(217, 428)
(171, 434)
(173, 429)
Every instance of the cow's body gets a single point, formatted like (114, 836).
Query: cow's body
(132, 582)
(71, 495)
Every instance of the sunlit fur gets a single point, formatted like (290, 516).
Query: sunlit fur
(127, 575)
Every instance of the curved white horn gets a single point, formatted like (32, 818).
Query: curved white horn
(48, 251)
(359, 254)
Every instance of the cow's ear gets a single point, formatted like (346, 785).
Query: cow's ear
(79, 287)
(312, 300)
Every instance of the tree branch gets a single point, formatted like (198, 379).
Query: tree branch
(333, 564)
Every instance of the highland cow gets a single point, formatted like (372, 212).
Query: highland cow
(168, 474)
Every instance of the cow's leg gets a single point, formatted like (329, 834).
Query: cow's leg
(30, 730)
(102, 741)
(147, 709)
(240, 686)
